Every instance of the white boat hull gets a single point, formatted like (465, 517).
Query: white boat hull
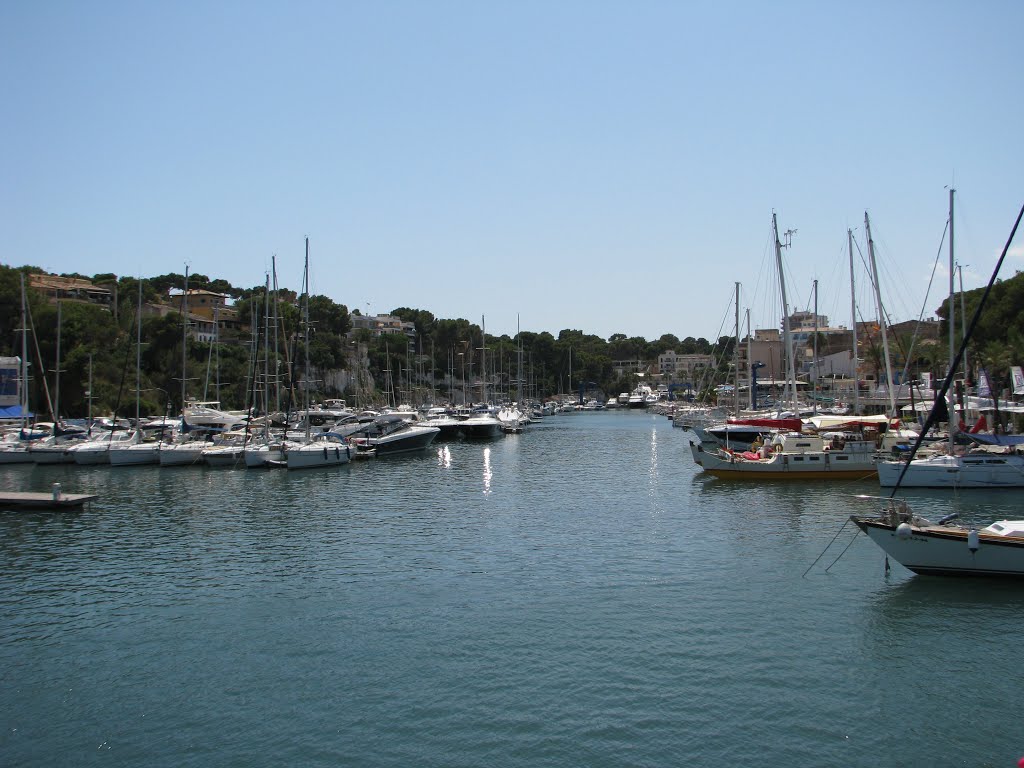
(91, 454)
(934, 550)
(785, 466)
(971, 471)
(313, 456)
(180, 456)
(15, 456)
(134, 455)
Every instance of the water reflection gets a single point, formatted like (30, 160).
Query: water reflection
(444, 457)
(652, 471)
(488, 474)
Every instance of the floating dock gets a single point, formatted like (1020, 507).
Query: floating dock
(24, 500)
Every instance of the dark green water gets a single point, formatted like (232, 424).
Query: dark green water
(574, 596)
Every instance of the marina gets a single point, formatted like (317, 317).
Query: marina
(578, 594)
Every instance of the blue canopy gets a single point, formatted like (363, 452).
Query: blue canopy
(14, 412)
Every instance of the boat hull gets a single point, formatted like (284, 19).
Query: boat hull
(974, 471)
(946, 552)
(413, 439)
(313, 458)
(15, 456)
(784, 466)
(136, 455)
(181, 457)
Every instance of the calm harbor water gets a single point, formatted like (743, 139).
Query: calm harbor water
(577, 595)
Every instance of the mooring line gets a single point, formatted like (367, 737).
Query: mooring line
(825, 549)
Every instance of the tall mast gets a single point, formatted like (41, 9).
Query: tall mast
(88, 397)
(56, 373)
(24, 354)
(853, 315)
(736, 356)
(277, 322)
(184, 342)
(519, 363)
(881, 317)
(752, 399)
(786, 333)
(138, 356)
(266, 358)
(815, 363)
(305, 322)
(950, 395)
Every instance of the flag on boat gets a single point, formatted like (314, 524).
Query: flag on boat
(1018, 379)
(984, 390)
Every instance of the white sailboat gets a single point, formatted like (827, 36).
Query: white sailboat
(325, 449)
(14, 446)
(140, 451)
(944, 548)
(956, 468)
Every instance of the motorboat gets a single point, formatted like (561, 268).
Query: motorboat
(944, 548)
(446, 420)
(390, 434)
(482, 424)
(740, 434)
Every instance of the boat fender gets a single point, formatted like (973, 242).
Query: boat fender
(337, 453)
(972, 541)
(903, 530)
(325, 454)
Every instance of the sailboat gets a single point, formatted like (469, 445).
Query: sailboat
(955, 468)
(138, 451)
(326, 449)
(780, 448)
(188, 448)
(54, 449)
(943, 547)
(14, 446)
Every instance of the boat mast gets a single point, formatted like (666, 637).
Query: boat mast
(24, 355)
(881, 317)
(950, 394)
(277, 323)
(750, 363)
(786, 333)
(305, 321)
(184, 342)
(815, 365)
(88, 398)
(138, 357)
(736, 356)
(853, 315)
(266, 359)
(519, 363)
(56, 374)
(483, 360)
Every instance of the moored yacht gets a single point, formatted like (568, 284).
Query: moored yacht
(390, 434)
(325, 449)
(482, 424)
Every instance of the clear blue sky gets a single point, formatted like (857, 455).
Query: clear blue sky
(608, 167)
